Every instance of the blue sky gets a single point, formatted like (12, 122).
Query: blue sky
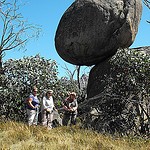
(47, 14)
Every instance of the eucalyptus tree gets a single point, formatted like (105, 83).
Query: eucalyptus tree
(123, 105)
(15, 32)
(76, 81)
(73, 76)
(18, 79)
(147, 3)
(131, 85)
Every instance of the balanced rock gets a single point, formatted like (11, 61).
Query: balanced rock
(92, 30)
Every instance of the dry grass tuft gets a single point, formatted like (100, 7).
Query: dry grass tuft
(18, 136)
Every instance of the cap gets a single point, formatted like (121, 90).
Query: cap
(73, 93)
(51, 91)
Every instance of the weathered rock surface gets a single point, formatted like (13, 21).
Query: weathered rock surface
(92, 30)
(96, 81)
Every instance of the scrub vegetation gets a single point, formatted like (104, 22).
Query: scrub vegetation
(18, 136)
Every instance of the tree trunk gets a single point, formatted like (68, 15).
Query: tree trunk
(1, 67)
(78, 76)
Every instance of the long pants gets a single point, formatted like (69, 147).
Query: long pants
(69, 117)
(47, 119)
(32, 117)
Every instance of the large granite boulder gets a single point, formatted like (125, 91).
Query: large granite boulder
(96, 81)
(92, 30)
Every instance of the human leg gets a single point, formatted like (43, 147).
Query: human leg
(44, 118)
(35, 120)
(49, 120)
(65, 119)
(31, 115)
(73, 119)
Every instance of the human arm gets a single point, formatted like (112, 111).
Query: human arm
(52, 104)
(44, 103)
(74, 108)
(65, 106)
(29, 102)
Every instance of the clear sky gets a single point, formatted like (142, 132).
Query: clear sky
(47, 14)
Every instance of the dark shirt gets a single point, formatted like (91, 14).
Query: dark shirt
(70, 104)
(35, 102)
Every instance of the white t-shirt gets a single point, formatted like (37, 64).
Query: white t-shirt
(48, 103)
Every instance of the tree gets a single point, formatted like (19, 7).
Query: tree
(21, 75)
(78, 83)
(123, 105)
(18, 79)
(69, 83)
(15, 32)
(131, 84)
(147, 3)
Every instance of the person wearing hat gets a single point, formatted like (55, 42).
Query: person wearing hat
(47, 109)
(32, 107)
(70, 106)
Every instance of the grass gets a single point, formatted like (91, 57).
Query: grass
(18, 136)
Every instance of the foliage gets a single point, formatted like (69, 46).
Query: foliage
(132, 72)
(21, 75)
(132, 82)
(19, 136)
(18, 79)
(83, 87)
(69, 83)
(123, 106)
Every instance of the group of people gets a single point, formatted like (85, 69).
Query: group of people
(47, 109)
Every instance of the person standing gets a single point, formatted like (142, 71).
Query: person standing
(47, 109)
(70, 106)
(33, 107)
